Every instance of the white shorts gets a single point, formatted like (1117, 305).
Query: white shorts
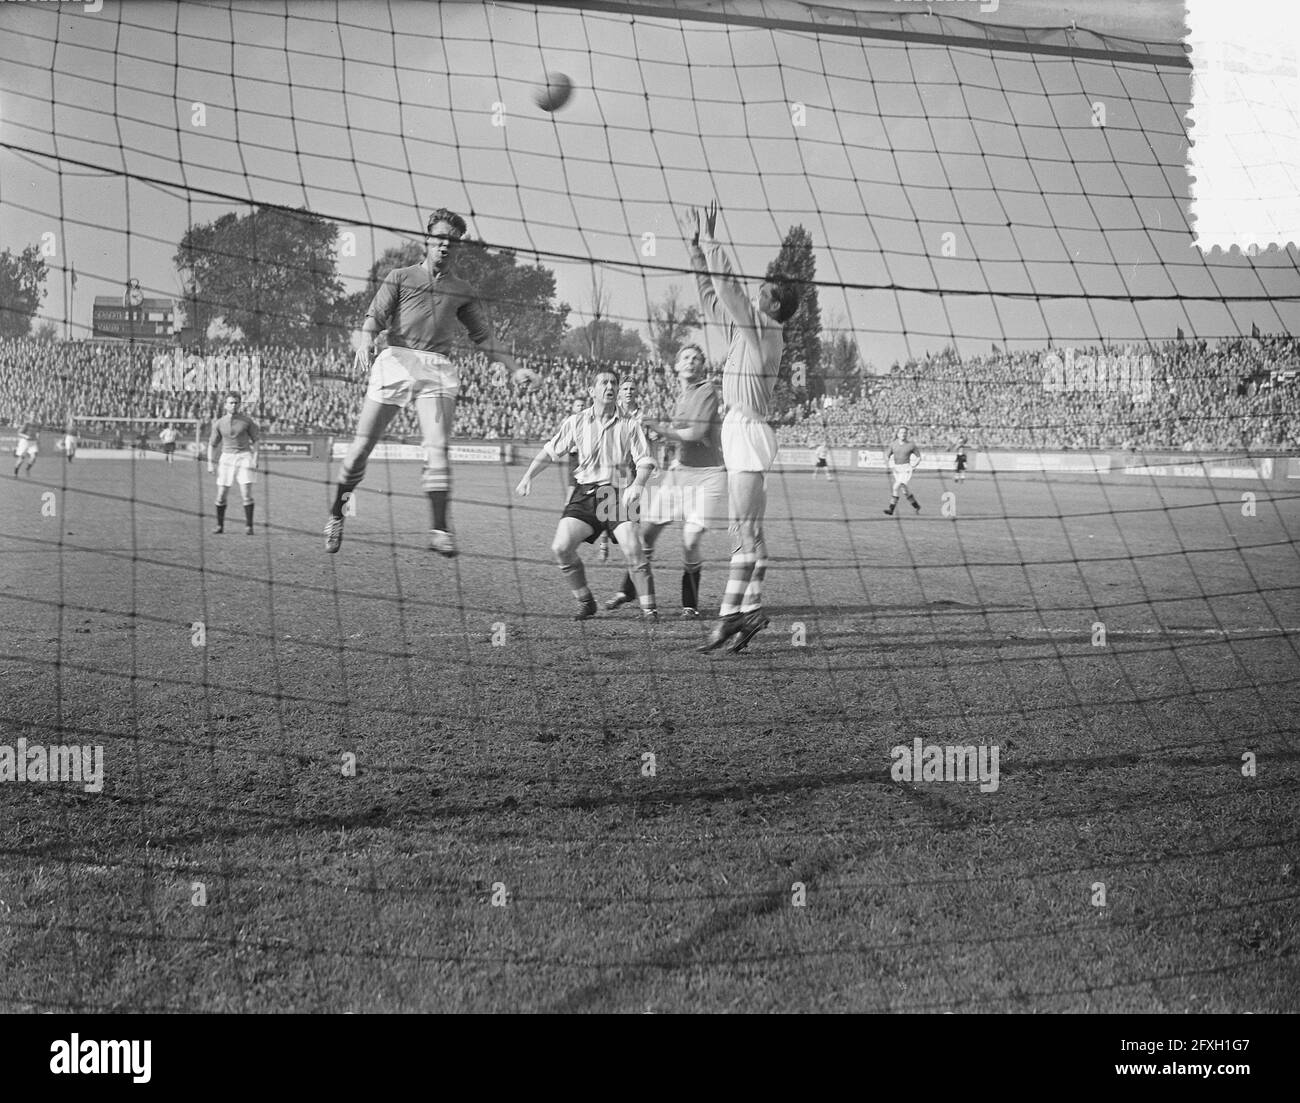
(747, 443)
(235, 467)
(695, 495)
(902, 474)
(26, 447)
(399, 376)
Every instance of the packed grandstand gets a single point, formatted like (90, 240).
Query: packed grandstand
(1239, 395)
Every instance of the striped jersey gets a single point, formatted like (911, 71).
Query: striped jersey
(755, 341)
(235, 433)
(602, 445)
(425, 312)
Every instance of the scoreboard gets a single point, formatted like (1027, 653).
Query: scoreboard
(149, 320)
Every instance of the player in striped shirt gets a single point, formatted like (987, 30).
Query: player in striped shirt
(29, 442)
(629, 405)
(604, 440)
(422, 308)
(902, 456)
(236, 434)
(755, 339)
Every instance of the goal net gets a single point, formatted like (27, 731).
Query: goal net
(1001, 746)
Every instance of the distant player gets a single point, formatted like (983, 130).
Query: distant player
(822, 462)
(694, 490)
(29, 443)
(167, 438)
(755, 339)
(961, 461)
(237, 435)
(69, 441)
(902, 456)
(422, 308)
(605, 440)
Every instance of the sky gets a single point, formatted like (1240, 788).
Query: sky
(953, 194)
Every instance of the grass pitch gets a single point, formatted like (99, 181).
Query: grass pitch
(504, 843)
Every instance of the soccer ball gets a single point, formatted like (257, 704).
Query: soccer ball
(555, 93)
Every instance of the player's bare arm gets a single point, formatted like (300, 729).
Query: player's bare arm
(497, 355)
(540, 462)
(367, 349)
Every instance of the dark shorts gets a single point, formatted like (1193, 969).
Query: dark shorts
(961, 463)
(821, 463)
(597, 505)
(169, 447)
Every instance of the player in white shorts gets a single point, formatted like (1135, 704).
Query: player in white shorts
(902, 456)
(237, 436)
(68, 444)
(694, 490)
(755, 338)
(422, 309)
(29, 438)
(822, 461)
(167, 438)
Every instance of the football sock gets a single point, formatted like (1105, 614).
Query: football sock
(248, 513)
(576, 575)
(742, 569)
(349, 480)
(691, 588)
(754, 591)
(645, 584)
(438, 508)
(221, 514)
(437, 469)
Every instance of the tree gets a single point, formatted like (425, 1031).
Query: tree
(796, 263)
(519, 297)
(841, 360)
(46, 332)
(270, 274)
(604, 340)
(22, 287)
(671, 323)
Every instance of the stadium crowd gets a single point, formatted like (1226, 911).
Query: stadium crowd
(1239, 394)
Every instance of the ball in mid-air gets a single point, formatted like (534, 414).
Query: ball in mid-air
(555, 93)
